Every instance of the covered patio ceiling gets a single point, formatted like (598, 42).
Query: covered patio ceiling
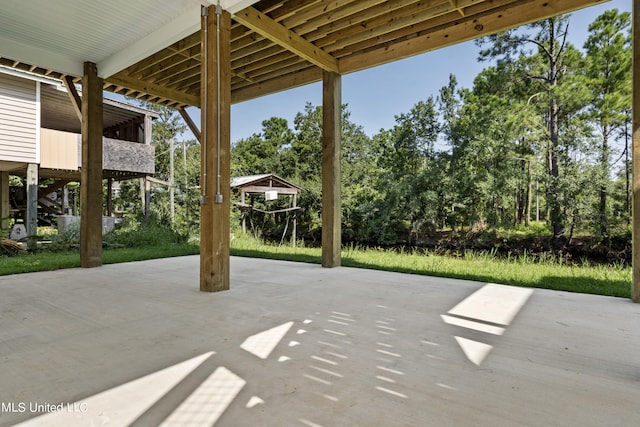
(150, 49)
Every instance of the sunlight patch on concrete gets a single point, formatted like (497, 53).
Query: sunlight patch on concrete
(263, 343)
(482, 311)
(204, 406)
(493, 303)
(476, 326)
(254, 401)
(474, 350)
(121, 405)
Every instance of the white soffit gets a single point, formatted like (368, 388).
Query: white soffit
(61, 35)
(235, 6)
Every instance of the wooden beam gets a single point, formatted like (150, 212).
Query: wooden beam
(91, 173)
(190, 123)
(76, 101)
(285, 82)
(331, 138)
(635, 291)
(277, 33)
(469, 28)
(215, 148)
(454, 4)
(123, 80)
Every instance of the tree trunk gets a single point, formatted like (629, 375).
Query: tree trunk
(527, 212)
(554, 136)
(604, 165)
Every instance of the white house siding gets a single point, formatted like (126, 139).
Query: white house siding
(19, 119)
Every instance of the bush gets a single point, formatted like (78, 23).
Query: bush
(67, 240)
(139, 232)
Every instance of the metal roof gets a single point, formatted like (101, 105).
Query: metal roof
(265, 178)
(150, 49)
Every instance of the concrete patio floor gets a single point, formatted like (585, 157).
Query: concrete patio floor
(294, 344)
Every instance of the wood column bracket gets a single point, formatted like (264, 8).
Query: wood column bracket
(190, 123)
(75, 98)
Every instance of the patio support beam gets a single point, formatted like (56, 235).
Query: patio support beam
(635, 291)
(91, 173)
(216, 145)
(331, 139)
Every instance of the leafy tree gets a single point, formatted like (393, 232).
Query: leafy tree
(608, 70)
(550, 61)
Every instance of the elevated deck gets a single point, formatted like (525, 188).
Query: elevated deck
(61, 157)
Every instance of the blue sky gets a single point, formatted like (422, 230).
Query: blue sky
(376, 95)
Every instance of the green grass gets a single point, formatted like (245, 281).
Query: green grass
(46, 261)
(485, 267)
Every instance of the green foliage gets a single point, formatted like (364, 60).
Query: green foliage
(67, 240)
(138, 232)
(527, 140)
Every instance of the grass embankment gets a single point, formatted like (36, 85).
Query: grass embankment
(524, 271)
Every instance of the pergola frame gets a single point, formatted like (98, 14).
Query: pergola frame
(253, 48)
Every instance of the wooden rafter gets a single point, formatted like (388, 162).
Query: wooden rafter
(454, 4)
(161, 91)
(270, 29)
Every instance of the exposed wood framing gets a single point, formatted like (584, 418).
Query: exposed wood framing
(277, 44)
(277, 33)
(331, 139)
(190, 123)
(635, 292)
(276, 85)
(76, 101)
(489, 21)
(162, 92)
(215, 214)
(91, 173)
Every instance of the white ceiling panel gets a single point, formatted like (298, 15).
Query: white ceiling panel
(63, 34)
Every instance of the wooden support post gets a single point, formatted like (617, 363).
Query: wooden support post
(147, 198)
(32, 205)
(4, 200)
(148, 129)
(331, 138)
(635, 291)
(294, 238)
(216, 145)
(244, 213)
(65, 200)
(91, 174)
(109, 196)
